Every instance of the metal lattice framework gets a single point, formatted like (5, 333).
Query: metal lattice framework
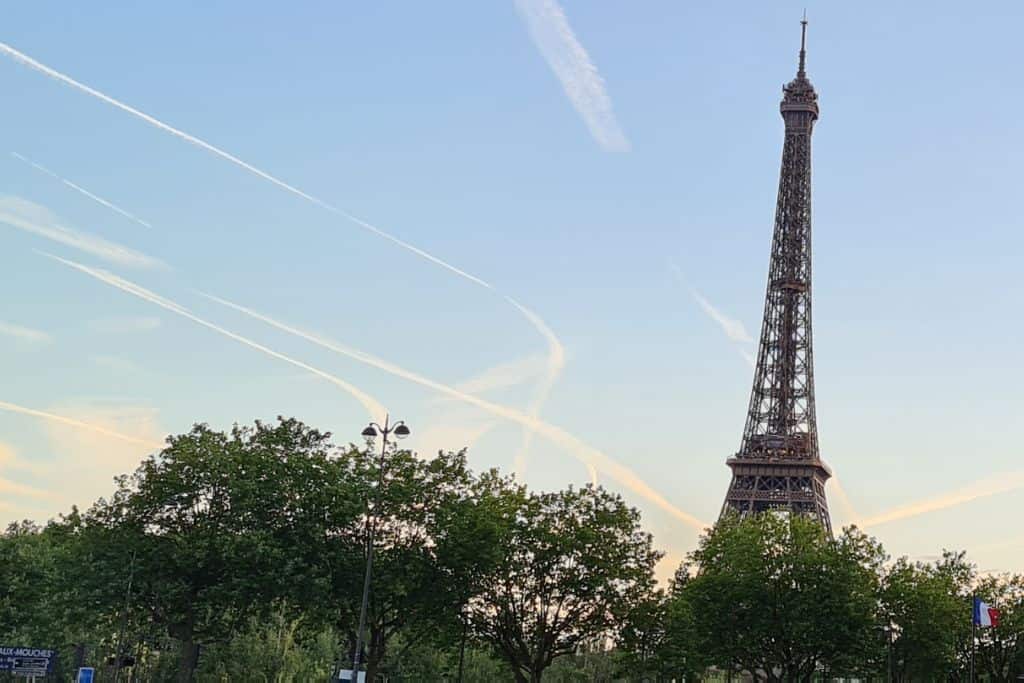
(778, 466)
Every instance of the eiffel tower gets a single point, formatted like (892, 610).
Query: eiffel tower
(778, 466)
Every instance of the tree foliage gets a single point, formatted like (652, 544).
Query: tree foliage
(240, 554)
(774, 596)
(1001, 650)
(927, 609)
(435, 540)
(574, 565)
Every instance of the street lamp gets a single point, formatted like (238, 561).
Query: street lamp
(372, 431)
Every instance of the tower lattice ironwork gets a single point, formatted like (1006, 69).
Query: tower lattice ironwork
(778, 466)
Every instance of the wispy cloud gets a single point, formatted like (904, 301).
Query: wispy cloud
(588, 455)
(31, 217)
(24, 334)
(551, 33)
(10, 461)
(451, 434)
(79, 424)
(504, 375)
(128, 325)
(84, 461)
(372, 406)
(50, 72)
(13, 488)
(983, 488)
(115, 364)
(81, 190)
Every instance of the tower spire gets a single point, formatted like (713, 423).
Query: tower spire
(800, 73)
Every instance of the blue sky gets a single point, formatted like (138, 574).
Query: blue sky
(448, 127)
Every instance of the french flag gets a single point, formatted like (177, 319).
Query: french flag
(985, 615)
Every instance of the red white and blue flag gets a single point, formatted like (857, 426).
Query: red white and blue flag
(984, 614)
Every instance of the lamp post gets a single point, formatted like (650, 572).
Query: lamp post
(400, 430)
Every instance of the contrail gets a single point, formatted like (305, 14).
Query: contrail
(373, 407)
(734, 329)
(24, 59)
(551, 33)
(77, 188)
(556, 363)
(587, 454)
(983, 488)
(844, 500)
(4, 405)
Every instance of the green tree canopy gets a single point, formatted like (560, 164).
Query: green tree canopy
(1001, 649)
(437, 534)
(219, 526)
(927, 607)
(776, 597)
(574, 564)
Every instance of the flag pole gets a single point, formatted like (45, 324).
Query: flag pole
(974, 626)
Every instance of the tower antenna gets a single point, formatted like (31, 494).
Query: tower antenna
(803, 46)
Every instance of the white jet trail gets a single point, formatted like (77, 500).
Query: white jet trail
(982, 488)
(24, 59)
(844, 500)
(373, 407)
(77, 188)
(585, 453)
(556, 363)
(14, 408)
(734, 329)
(551, 33)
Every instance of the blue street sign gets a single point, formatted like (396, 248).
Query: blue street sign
(85, 674)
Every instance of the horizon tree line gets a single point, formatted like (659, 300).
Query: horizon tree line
(239, 555)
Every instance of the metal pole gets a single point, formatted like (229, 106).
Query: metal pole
(124, 619)
(371, 523)
(892, 675)
(974, 639)
(462, 648)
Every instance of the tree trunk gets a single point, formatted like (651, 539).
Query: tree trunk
(374, 653)
(189, 660)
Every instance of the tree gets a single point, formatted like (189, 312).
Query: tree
(574, 564)
(641, 640)
(928, 607)
(26, 564)
(1001, 649)
(437, 535)
(275, 647)
(40, 598)
(774, 595)
(658, 640)
(220, 527)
